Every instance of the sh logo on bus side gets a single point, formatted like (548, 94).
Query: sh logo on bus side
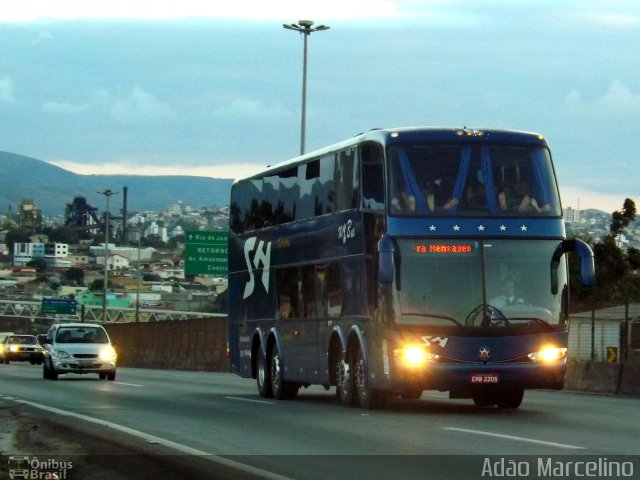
(261, 257)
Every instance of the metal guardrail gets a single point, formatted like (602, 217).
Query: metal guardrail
(33, 310)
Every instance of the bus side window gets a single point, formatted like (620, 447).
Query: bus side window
(346, 180)
(287, 292)
(372, 177)
(334, 290)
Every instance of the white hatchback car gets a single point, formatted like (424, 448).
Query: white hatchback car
(78, 348)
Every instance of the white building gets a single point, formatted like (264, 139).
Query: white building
(53, 254)
(155, 229)
(116, 261)
(130, 253)
(177, 231)
(571, 215)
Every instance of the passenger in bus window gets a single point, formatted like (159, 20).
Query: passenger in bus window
(516, 197)
(403, 203)
(438, 190)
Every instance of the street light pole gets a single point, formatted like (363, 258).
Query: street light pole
(107, 193)
(305, 27)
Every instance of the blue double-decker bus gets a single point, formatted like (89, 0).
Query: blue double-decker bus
(403, 260)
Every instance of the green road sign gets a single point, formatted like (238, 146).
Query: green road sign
(206, 253)
(58, 306)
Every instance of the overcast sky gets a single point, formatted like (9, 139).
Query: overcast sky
(178, 87)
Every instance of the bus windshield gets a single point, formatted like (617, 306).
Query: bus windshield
(476, 283)
(471, 180)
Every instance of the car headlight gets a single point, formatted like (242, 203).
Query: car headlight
(14, 348)
(548, 354)
(62, 354)
(107, 354)
(414, 356)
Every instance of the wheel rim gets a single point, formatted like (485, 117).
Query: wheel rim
(276, 378)
(261, 370)
(343, 377)
(360, 379)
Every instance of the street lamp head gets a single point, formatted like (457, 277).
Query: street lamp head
(305, 27)
(107, 193)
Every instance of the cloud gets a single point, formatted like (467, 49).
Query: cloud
(29, 10)
(242, 108)
(139, 108)
(42, 37)
(65, 108)
(611, 19)
(148, 166)
(6, 90)
(618, 101)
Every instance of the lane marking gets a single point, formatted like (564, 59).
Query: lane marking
(511, 437)
(266, 402)
(152, 439)
(128, 384)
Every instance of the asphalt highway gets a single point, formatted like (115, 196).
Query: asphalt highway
(216, 423)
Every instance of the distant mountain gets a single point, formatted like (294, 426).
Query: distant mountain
(52, 188)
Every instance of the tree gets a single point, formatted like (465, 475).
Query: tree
(17, 235)
(620, 219)
(39, 264)
(616, 278)
(61, 235)
(75, 276)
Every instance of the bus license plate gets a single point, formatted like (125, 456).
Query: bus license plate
(485, 378)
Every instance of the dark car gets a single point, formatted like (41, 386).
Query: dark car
(21, 348)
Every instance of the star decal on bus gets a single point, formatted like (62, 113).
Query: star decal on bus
(481, 228)
(523, 228)
(456, 227)
(432, 228)
(503, 228)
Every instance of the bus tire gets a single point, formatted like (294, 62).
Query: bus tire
(281, 389)
(411, 393)
(262, 375)
(345, 385)
(368, 398)
(484, 399)
(510, 398)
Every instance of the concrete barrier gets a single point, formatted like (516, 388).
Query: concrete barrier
(598, 377)
(181, 344)
(630, 379)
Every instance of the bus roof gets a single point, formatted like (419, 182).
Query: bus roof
(387, 136)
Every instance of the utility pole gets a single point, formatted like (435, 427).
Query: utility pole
(107, 193)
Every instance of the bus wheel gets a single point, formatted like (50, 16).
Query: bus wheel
(411, 393)
(262, 375)
(510, 398)
(368, 398)
(282, 390)
(345, 387)
(484, 400)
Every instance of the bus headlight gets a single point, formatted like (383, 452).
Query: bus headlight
(548, 354)
(415, 356)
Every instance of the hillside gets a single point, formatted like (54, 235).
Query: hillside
(52, 188)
